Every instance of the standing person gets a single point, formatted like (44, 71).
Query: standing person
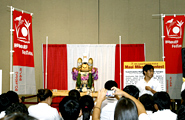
(148, 85)
(43, 110)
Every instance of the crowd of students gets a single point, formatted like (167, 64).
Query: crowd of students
(126, 104)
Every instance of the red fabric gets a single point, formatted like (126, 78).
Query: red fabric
(129, 53)
(23, 41)
(56, 67)
(173, 32)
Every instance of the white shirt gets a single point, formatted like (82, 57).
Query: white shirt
(107, 109)
(143, 116)
(43, 111)
(166, 114)
(154, 84)
(183, 86)
(2, 114)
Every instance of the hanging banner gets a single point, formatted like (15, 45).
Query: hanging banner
(133, 73)
(23, 57)
(173, 39)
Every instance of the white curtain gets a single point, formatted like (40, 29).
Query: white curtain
(103, 58)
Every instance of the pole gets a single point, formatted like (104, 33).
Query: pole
(120, 60)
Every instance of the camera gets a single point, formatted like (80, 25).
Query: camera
(110, 93)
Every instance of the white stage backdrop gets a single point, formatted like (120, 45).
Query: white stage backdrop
(103, 58)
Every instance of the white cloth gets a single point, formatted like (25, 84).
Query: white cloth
(154, 84)
(2, 114)
(143, 116)
(103, 56)
(183, 86)
(43, 111)
(163, 115)
(107, 109)
(149, 113)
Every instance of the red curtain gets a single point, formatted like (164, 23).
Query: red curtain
(129, 52)
(56, 67)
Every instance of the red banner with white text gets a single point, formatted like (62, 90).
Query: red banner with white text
(23, 57)
(173, 39)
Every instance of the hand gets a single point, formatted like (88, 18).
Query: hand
(102, 94)
(148, 88)
(117, 91)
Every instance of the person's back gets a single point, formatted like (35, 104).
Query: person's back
(43, 110)
(86, 104)
(162, 105)
(108, 105)
(69, 108)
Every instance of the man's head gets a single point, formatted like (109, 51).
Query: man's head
(161, 100)
(148, 71)
(132, 90)
(13, 96)
(183, 95)
(5, 102)
(109, 84)
(69, 108)
(147, 101)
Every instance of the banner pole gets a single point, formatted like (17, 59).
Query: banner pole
(46, 62)
(162, 26)
(120, 61)
(11, 51)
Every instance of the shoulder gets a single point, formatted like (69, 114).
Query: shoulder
(143, 116)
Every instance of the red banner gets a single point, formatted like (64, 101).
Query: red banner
(173, 32)
(23, 41)
(23, 57)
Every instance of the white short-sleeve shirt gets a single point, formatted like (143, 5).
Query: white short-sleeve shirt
(154, 84)
(43, 111)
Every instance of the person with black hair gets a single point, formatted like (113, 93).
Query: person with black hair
(43, 110)
(132, 90)
(183, 96)
(181, 112)
(148, 102)
(74, 93)
(17, 107)
(69, 108)
(108, 105)
(162, 105)
(86, 104)
(148, 85)
(127, 108)
(4, 104)
(18, 116)
(13, 96)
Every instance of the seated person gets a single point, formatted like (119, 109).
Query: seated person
(18, 116)
(132, 90)
(148, 102)
(162, 105)
(86, 104)
(69, 108)
(4, 104)
(108, 105)
(17, 107)
(127, 108)
(43, 110)
(74, 93)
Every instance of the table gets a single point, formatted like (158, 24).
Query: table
(65, 93)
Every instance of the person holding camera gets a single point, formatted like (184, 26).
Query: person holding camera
(108, 105)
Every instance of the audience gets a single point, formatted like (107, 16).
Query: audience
(17, 107)
(162, 105)
(13, 96)
(148, 102)
(4, 104)
(43, 110)
(127, 108)
(69, 108)
(132, 90)
(18, 116)
(108, 105)
(74, 93)
(86, 104)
